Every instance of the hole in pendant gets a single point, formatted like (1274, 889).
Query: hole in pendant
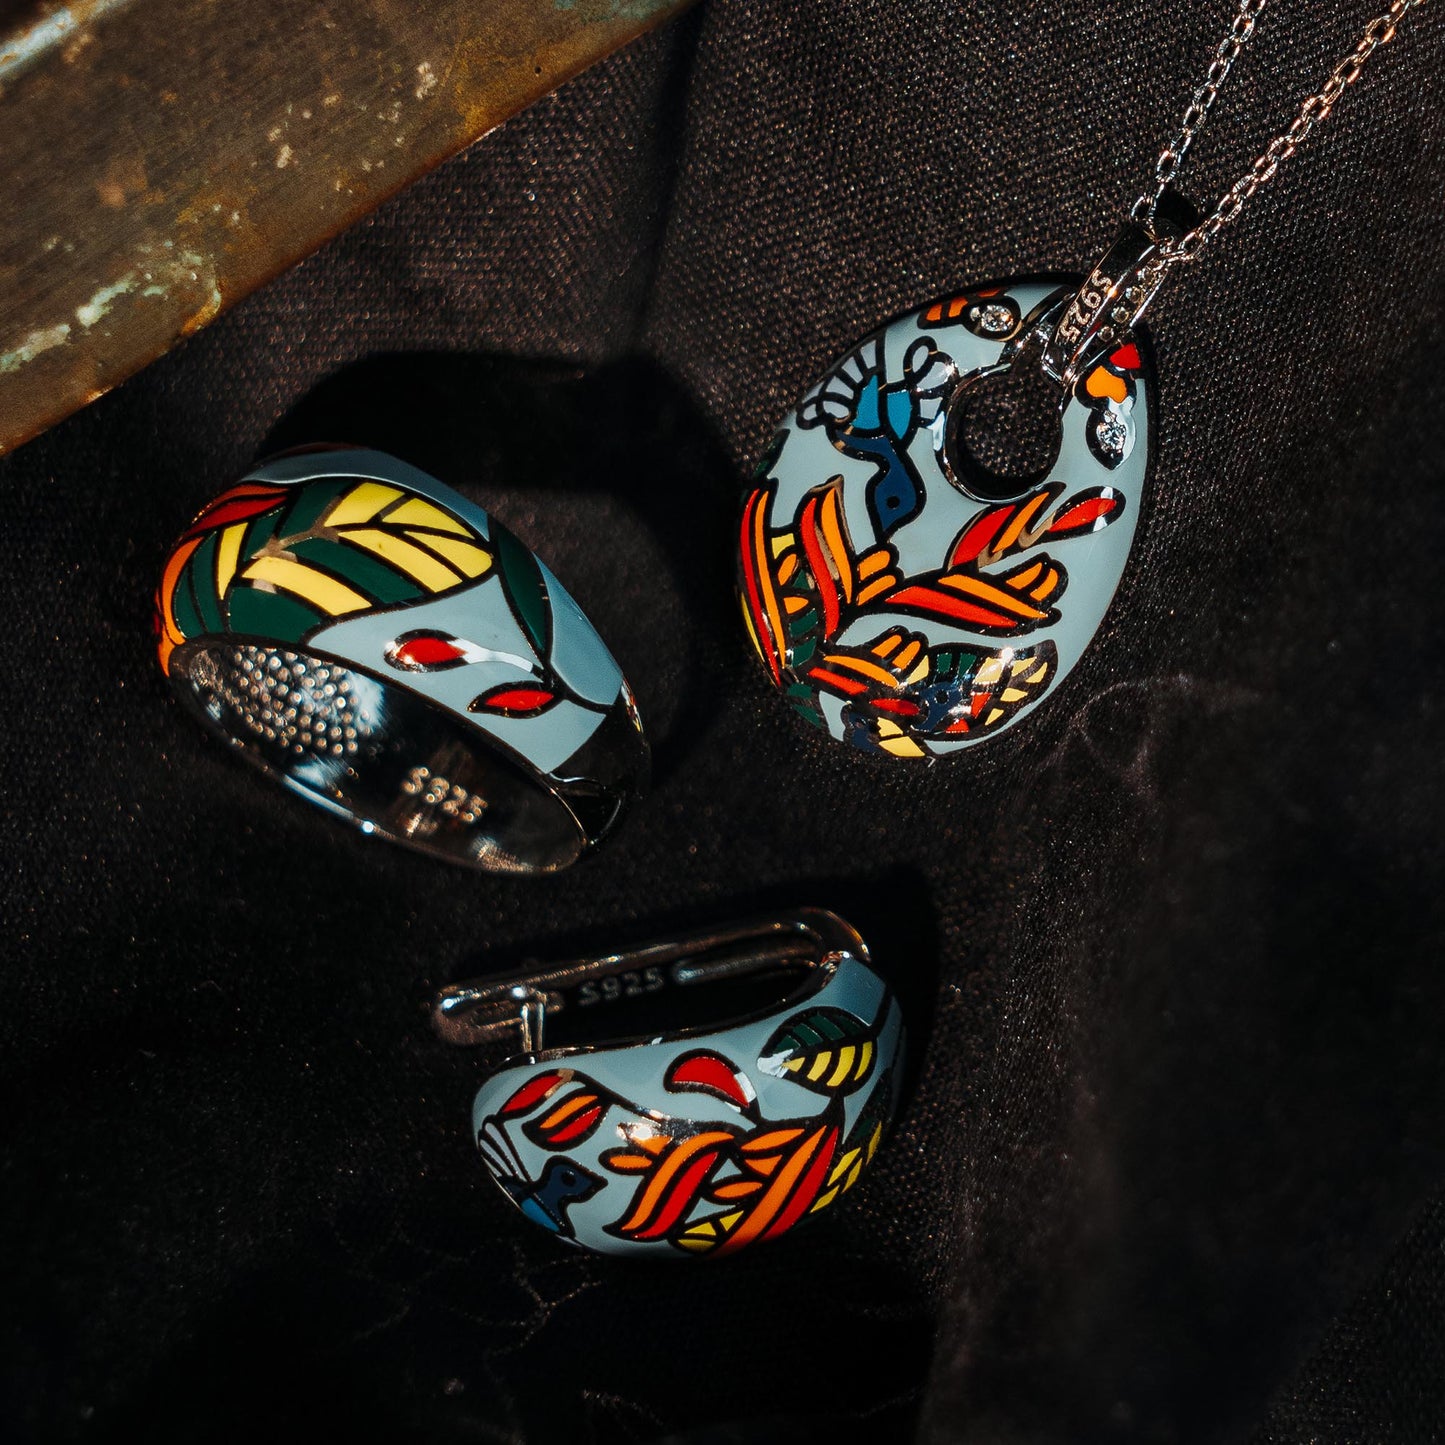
(1004, 432)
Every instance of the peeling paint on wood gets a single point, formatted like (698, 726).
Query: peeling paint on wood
(165, 157)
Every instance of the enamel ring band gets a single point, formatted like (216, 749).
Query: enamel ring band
(690, 1097)
(384, 648)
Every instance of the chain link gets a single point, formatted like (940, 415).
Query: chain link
(1314, 111)
(1171, 158)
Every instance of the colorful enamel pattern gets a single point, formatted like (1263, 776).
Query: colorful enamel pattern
(892, 600)
(387, 650)
(703, 1139)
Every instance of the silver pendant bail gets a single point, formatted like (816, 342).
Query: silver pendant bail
(1119, 289)
(1108, 305)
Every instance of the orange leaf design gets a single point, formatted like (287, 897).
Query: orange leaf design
(680, 1175)
(574, 1119)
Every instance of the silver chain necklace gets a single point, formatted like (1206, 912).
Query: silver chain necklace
(1315, 110)
(934, 536)
(1122, 286)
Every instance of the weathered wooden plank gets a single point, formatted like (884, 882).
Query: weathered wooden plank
(161, 158)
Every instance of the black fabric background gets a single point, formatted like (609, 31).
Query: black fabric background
(1171, 1168)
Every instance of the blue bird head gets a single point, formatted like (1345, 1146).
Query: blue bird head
(563, 1183)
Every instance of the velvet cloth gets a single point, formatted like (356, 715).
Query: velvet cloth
(1170, 1168)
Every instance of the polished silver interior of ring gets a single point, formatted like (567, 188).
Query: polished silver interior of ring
(383, 757)
(751, 968)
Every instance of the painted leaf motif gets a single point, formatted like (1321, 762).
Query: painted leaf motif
(570, 1119)
(1015, 602)
(762, 609)
(239, 504)
(425, 651)
(767, 1202)
(644, 1147)
(1086, 512)
(279, 561)
(1004, 529)
(526, 588)
(861, 1144)
(514, 700)
(533, 1092)
(667, 1191)
(844, 1174)
(824, 1049)
(709, 1073)
(823, 533)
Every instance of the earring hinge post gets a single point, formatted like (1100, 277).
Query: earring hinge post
(516, 1008)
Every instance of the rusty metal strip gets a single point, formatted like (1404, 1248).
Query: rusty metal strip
(162, 158)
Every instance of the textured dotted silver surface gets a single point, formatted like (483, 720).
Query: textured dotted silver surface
(298, 703)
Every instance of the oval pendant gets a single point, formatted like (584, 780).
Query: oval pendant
(901, 595)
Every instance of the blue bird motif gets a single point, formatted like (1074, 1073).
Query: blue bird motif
(544, 1201)
(874, 419)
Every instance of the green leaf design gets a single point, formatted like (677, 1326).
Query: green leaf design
(824, 1049)
(271, 616)
(329, 548)
(525, 586)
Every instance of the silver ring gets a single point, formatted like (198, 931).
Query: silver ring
(377, 643)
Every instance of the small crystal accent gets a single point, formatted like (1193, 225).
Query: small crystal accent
(994, 319)
(1111, 432)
